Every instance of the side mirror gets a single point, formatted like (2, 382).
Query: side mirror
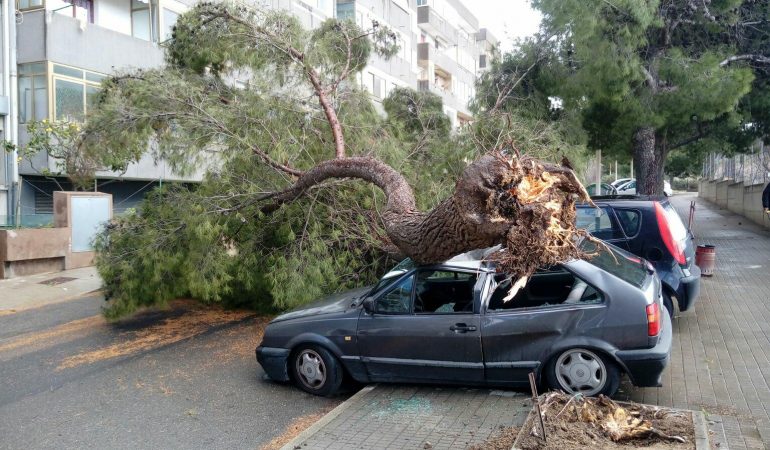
(369, 305)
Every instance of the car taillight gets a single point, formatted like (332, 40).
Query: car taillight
(676, 248)
(653, 319)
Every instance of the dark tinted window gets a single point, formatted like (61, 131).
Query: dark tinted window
(598, 222)
(553, 287)
(618, 262)
(398, 300)
(444, 291)
(630, 220)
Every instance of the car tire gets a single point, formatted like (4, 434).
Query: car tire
(669, 304)
(315, 370)
(570, 371)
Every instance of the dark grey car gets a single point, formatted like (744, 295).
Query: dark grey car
(578, 326)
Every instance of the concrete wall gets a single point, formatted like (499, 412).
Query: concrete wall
(27, 251)
(721, 194)
(36, 250)
(736, 197)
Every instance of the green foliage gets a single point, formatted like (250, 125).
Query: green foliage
(622, 65)
(417, 112)
(61, 140)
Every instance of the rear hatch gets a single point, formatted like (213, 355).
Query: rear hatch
(637, 272)
(674, 234)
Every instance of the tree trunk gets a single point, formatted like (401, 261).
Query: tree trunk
(525, 205)
(649, 159)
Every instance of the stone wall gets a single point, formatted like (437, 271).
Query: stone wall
(736, 197)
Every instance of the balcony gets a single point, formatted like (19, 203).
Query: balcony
(427, 52)
(429, 20)
(446, 95)
(56, 37)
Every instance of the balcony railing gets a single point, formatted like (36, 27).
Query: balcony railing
(432, 22)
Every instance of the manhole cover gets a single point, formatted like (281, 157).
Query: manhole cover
(57, 280)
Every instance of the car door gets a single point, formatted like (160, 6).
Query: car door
(602, 223)
(425, 328)
(517, 337)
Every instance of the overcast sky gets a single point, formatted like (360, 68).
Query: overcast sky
(507, 19)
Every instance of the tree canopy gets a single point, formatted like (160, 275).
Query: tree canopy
(647, 78)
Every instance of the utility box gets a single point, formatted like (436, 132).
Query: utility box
(84, 213)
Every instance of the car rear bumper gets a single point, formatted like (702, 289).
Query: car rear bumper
(645, 366)
(689, 289)
(274, 362)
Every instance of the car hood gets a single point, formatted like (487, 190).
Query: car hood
(335, 303)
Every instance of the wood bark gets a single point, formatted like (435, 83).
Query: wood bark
(649, 158)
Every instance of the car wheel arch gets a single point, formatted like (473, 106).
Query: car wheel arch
(597, 346)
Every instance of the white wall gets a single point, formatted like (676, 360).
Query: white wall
(114, 15)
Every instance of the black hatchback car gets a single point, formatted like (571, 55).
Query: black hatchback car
(648, 227)
(578, 326)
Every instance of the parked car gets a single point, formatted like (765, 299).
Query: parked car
(606, 189)
(648, 227)
(629, 188)
(620, 181)
(578, 326)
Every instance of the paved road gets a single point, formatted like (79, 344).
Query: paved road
(184, 378)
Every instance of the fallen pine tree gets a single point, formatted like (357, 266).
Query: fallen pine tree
(294, 133)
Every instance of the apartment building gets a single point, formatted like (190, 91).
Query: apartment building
(64, 48)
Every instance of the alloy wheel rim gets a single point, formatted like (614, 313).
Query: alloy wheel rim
(581, 371)
(311, 369)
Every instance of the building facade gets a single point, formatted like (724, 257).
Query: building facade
(64, 48)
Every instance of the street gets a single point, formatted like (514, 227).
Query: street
(183, 378)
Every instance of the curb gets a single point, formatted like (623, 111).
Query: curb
(701, 431)
(331, 415)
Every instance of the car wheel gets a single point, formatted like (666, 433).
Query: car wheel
(316, 371)
(669, 304)
(582, 371)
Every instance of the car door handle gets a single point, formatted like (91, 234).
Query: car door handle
(462, 328)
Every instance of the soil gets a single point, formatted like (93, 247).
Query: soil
(503, 440)
(183, 320)
(570, 431)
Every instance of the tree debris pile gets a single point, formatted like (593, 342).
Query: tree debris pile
(573, 422)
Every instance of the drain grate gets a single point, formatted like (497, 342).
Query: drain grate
(57, 280)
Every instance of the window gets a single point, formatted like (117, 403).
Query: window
(598, 222)
(69, 100)
(622, 264)
(444, 292)
(74, 91)
(346, 10)
(546, 288)
(422, 2)
(33, 92)
(630, 220)
(79, 9)
(144, 19)
(169, 20)
(398, 300)
(30, 4)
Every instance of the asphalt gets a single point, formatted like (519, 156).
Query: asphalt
(181, 378)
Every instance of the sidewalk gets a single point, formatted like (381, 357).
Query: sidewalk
(33, 291)
(415, 417)
(720, 362)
